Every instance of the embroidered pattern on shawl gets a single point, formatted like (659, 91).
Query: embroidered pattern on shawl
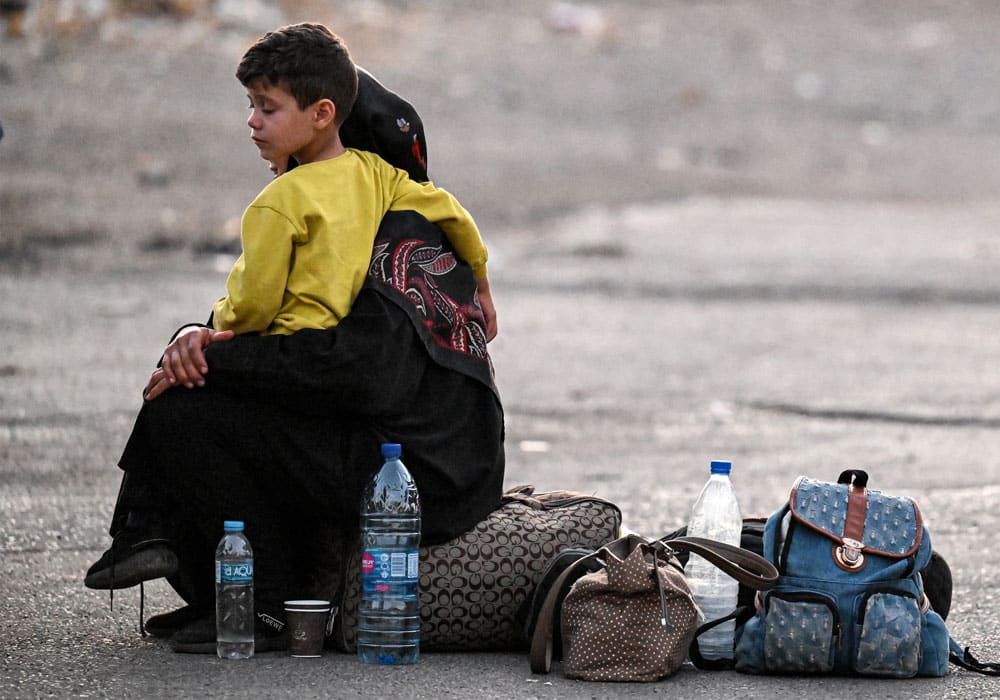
(415, 263)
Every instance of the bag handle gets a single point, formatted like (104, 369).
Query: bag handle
(752, 570)
(525, 493)
(541, 641)
(854, 477)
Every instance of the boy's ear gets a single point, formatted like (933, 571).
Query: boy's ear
(326, 113)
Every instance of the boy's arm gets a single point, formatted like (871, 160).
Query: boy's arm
(255, 289)
(486, 304)
(440, 207)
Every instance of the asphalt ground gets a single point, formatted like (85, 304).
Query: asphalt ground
(623, 375)
(773, 240)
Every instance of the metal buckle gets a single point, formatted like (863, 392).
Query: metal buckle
(849, 555)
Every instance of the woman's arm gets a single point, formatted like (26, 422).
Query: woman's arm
(183, 360)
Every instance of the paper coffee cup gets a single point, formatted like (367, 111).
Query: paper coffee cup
(306, 626)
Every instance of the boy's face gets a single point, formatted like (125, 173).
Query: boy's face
(277, 126)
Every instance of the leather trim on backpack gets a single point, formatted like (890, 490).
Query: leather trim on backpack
(828, 509)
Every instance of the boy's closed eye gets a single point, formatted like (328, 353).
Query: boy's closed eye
(263, 108)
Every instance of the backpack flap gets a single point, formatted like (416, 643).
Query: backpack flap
(868, 535)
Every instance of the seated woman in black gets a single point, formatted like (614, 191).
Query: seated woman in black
(285, 431)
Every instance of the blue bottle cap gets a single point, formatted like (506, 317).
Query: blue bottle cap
(232, 525)
(391, 450)
(721, 467)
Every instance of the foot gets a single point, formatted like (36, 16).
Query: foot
(199, 636)
(164, 626)
(132, 559)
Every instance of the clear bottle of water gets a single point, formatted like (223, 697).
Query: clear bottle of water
(389, 612)
(716, 516)
(234, 593)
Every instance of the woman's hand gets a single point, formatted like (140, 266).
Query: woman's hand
(489, 310)
(184, 361)
(157, 384)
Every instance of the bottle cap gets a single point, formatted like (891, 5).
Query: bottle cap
(391, 450)
(721, 467)
(232, 526)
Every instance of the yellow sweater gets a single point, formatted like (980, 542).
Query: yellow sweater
(308, 236)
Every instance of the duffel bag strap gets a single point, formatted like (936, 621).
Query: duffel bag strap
(694, 651)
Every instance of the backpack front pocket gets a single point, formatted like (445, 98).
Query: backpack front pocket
(800, 633)
(888, 635)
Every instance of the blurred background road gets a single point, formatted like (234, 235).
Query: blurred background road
(762, 231)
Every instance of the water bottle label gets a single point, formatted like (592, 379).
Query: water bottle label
(234, 572)
(380, 568)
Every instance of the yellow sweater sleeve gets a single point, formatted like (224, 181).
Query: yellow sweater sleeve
(255, 289)
(440, 207)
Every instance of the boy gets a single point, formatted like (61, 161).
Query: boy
(307, 237)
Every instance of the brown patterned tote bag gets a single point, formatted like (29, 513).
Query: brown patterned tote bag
(634, 618)
(475, 587)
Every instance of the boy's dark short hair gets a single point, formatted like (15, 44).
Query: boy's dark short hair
(309, 60)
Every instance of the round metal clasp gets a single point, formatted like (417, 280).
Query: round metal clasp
(849, 555)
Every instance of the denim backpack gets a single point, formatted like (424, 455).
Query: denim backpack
(849, 599)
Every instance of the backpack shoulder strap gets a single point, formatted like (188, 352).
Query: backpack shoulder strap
(965, 659)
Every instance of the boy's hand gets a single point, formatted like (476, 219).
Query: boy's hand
(278, 166)
(184, 361)
(489, 310)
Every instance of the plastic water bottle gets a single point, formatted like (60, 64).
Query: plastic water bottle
(389, 613)
(716, 516)
(234, 593)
